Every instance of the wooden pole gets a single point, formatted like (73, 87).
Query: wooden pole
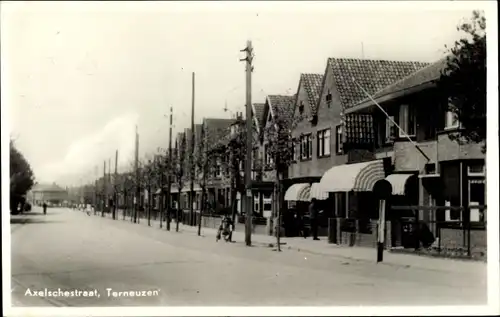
(249, 136)
(104, 194)
(191, 200)
(115, 198)
(137, 187)
(169, 167)
(381, 231)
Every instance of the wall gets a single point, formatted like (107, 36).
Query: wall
(406, 157)
(327, 118)
(452, 150)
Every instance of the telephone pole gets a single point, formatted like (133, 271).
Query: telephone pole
(96, 201)
(169, 169)
(136, 166)
(115, 198)
(104, 193)
(191, 207)
(248, 160)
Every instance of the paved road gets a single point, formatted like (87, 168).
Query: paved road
(69, 250)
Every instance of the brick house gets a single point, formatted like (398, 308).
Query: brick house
(453, 174)
(321, 137)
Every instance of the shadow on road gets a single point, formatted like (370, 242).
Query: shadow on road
(26, 220)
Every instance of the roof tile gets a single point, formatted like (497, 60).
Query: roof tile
(372, 75)
(312, 84)
(282, 106)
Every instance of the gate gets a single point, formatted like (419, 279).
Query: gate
(431, 229)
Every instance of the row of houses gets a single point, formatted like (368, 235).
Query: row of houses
(342, 144)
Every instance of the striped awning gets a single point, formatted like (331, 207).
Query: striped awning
(317, 192)
(298, 192)
(359, 177)
(398, 182)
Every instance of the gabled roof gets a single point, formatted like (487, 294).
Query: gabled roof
(216, 129)
(259, 112)
(282, 106)
(372, 75)
(48, 188)
(312, 84)
(430, 73)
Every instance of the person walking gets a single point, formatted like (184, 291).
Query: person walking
(44, 206)
(313, 215)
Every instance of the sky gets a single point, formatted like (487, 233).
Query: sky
(79, 76)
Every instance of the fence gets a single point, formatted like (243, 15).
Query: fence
(441, 230)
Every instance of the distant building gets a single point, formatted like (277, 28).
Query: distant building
(51, 193)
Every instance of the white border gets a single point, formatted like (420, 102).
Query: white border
(492, 168)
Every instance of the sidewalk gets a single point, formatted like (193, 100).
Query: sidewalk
(322, 247)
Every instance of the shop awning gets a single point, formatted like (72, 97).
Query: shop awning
(359, 177)
(398, 182)
(298, 192)
(317, 192)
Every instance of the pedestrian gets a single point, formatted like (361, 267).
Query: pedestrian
(313, 215)
(44, 206)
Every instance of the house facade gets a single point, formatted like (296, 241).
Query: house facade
(434, 168)
(325, 149)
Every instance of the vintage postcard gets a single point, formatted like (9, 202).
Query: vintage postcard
(249, 158)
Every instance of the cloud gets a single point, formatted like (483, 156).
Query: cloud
(85, 154)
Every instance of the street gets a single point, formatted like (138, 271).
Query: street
(72, 251)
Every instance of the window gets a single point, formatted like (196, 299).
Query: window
(267, 155)
(407, 121)
(476, 169)
(390, 129)
(477, 197)
(267, 202)
(339, 142)
(328, 99)
(301, 107)
(218, 169)
(294, 150)
(256, 203)
(451, 120)
(323, 143)
(306, 147)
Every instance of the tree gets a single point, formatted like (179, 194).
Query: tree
(463, 80)
(235, 156)
(178, 166)
(22, 178)
(202, 163)
(280, 147)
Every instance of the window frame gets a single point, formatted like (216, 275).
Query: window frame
(449, 123)
(390, 130)
(306, 147)
(404, 121)
(339, 147)
(323, 143)
(481, 174)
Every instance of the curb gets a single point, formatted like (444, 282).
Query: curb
(286, 246)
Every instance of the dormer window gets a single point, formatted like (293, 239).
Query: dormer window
(301, 107)
(328, 98)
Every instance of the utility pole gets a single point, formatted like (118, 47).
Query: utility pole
(104, 193)
(115, 198)
(169, 169)
(249, 137)
(96, 201)
(136, 166)
(191, 200)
